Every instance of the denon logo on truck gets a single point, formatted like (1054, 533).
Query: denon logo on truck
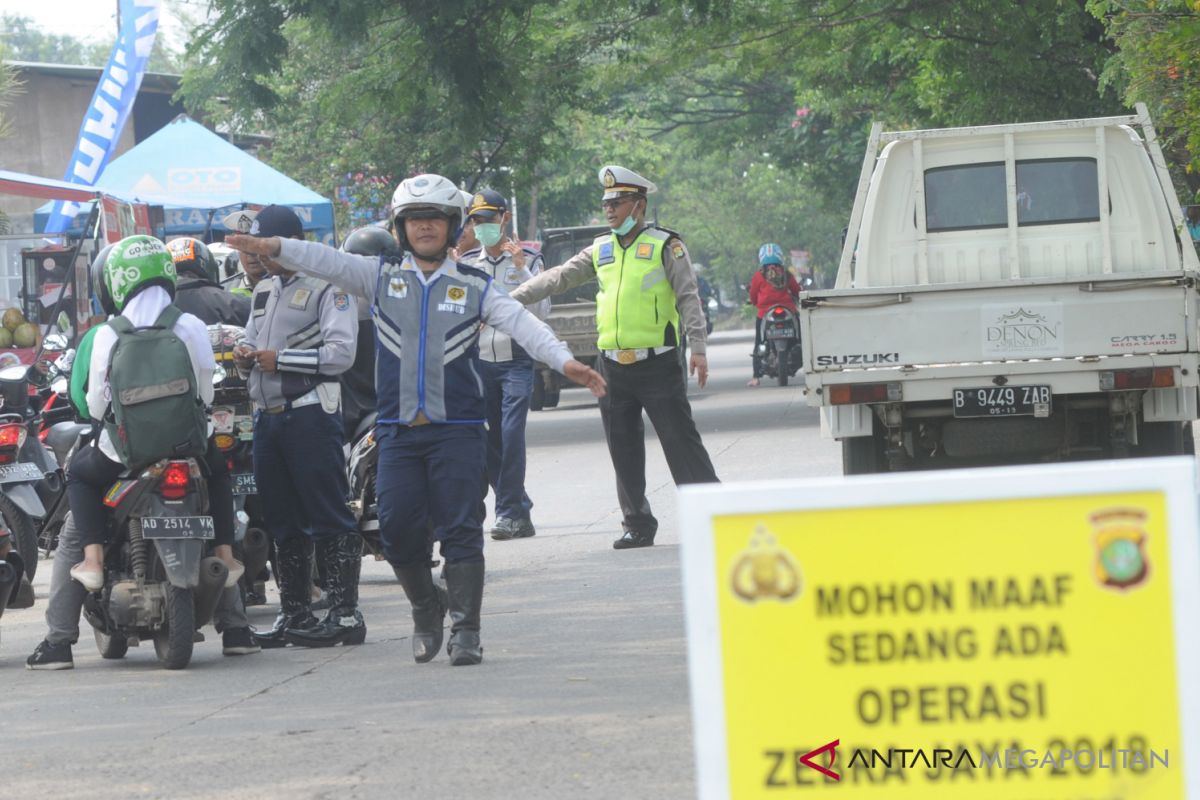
(858, 359)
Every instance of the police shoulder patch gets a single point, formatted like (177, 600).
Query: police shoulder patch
(677, 250)
(341, 301)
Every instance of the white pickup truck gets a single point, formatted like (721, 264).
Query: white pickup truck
(1009, 293)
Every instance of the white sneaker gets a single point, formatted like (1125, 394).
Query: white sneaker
(92, 580)
(235, 573)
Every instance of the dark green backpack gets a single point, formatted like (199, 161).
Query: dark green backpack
(155, 409)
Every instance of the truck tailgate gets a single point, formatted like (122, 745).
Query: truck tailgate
(857, 329)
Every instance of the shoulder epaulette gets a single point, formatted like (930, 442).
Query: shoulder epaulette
(670, 233)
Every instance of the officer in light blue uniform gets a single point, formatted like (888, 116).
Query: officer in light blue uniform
(506, 369)
(299, 340)
(428, 310)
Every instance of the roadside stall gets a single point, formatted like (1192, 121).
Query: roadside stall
(45, 286)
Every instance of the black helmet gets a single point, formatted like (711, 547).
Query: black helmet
(372, 240)
(193, 257)
(99, 285)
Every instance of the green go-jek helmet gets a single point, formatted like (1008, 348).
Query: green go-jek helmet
(136, 263)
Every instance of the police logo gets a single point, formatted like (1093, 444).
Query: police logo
(765, 571)
(253, 231)
(512, 276)
(341, 301)
(610, 180)
(456, 294)
(677, 250)
(644, 251)
(1120, 542)
(397, 287)
(605, 256)
(479, 201)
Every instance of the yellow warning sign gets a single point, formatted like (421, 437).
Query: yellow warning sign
(986, 647)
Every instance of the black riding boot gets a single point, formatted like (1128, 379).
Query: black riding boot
(294, 571)
(428, 601)
(464, 585)
(343, 623)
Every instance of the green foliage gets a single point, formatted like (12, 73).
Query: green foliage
(751, 115)
(1158, 62)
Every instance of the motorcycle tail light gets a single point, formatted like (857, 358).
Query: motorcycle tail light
(850, 393)
(225, 442)
(12, 437)
(174, 484)
(777, 312)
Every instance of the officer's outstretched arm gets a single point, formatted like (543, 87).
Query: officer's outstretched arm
(349, 272)
(575, 272)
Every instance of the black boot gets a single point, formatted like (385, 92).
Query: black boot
(428, 601)
(343, 624)
(294, 572)
(464, 585)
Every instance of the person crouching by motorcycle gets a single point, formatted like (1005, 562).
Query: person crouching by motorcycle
(300, 338)
(432, 450)
(135, 278)
(772, 285)
(198, 289)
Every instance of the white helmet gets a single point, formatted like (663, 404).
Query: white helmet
(428, 192)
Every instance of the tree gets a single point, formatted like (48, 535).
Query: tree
(1158, 62)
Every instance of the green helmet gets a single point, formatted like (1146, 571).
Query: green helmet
(135, 263)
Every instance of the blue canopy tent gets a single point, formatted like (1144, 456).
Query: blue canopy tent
(196, 176)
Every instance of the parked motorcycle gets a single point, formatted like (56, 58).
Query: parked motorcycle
(361, 466)
(30, 479)
(233, 429)
(157, 583)
(780, 354)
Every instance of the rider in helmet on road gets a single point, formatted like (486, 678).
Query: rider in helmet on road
(772, 285)
(198, 289)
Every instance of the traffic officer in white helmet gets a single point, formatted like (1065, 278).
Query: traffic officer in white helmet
(428, 309)
(647, 297)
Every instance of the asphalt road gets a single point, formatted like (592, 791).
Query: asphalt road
(583, 691)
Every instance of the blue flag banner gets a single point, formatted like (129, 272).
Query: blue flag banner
(111, 104)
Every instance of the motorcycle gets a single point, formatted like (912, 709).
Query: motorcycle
(779, 353)
(157, 583)
(31, 482)
(363, 459)
(233, 429)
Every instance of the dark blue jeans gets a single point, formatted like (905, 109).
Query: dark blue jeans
(300, 470)
(430, 473)
(507, 386)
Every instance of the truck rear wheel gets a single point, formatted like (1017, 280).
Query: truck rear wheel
(863, 455)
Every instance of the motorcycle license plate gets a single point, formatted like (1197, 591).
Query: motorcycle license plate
(1003, 401)
(780, 332)
(244, 484)
(21, 471)
(178, 528)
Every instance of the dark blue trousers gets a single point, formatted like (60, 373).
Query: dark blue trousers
(300, 470)
(507, 386)
(430, 473)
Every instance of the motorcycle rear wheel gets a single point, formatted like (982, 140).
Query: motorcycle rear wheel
(781, 365)
(24, 534)
(173, 644)
(111, 647)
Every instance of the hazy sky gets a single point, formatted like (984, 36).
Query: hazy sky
(95, 20)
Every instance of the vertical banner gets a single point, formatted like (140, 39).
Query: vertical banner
(111, 103)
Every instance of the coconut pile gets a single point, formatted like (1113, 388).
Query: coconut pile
(16, 330)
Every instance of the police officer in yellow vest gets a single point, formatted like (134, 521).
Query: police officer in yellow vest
(647, 295)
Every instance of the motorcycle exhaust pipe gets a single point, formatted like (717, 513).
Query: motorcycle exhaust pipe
(256, 546)
(10, 580)
(206, 595)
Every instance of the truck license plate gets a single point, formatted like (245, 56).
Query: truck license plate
(1003, 401)
(21, 471)
(178, 528)
(244, 484)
